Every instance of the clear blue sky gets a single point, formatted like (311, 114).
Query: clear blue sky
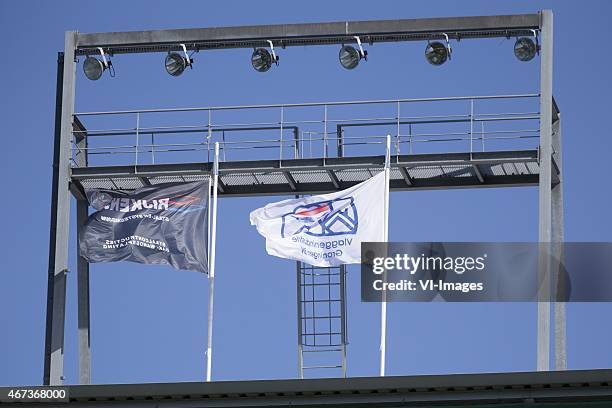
(149, 323)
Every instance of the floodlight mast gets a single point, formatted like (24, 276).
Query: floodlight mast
(164, 41)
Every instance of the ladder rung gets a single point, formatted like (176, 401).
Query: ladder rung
(320, 317)
(321, 274)
(319, 345)
(322, 366)
(321, 334)
(321, 284)
(321, 351)
(321, 300)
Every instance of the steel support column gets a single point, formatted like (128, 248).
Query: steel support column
(545, 182)
(560, 348)
(60, 217)
(83, 301)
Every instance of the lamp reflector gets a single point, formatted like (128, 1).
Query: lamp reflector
(349, 57)
(436, 53)
(261, 60)
(175, 64)
(93, 68)
(525, 49)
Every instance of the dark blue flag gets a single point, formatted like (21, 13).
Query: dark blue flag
(160, 224)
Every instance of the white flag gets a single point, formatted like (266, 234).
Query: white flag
(325, 230)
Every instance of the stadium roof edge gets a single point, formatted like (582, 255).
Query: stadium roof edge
(515, 387)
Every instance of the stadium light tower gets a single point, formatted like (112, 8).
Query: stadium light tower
(70, 178)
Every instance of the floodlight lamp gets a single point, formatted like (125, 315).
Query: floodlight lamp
(176, 63)
(437, 53)
(349, 56)
(525, 48)
(262, 59)
(94, 68)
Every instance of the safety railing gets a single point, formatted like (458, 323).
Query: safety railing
(304, 130)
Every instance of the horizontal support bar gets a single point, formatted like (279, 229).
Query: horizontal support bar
(283, 35)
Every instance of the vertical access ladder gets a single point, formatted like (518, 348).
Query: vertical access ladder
(321, 304)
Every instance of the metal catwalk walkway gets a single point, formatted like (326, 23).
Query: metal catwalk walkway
(310, 176)
(314, 148)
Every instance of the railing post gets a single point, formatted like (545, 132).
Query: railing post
(310, 142)
(482, 135)
(296, 143)
(340, 141)
(137, 136)
(282, 114)
(397, 147)
(471, 126)
(410, 138)
(209, 137)
(325, 135)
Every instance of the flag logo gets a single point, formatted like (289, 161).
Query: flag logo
(321, 219)
(327, 229)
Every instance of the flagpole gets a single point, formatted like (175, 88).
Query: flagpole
(383, 305)
(211, 266)
(208, 220)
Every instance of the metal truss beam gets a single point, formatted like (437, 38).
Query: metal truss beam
(478, 173)
(333, 178)
(285, 35)
(289, 170)
(394, 185)
(332, 163)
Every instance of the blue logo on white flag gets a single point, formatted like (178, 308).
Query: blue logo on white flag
(321, 219)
